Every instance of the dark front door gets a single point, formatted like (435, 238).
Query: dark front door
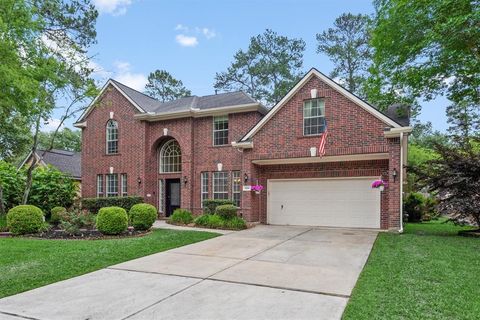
(172, 193)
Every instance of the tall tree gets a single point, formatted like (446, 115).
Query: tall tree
(427, 48)
(65, 139)
(45, 44)
(464, 119)
(267, 69)
(347, 46)
(164, 87)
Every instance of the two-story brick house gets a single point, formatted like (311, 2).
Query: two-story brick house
(176, 154)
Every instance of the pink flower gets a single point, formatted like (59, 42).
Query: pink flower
(379, 183)
(257, 188)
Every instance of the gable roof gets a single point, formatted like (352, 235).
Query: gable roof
(315, 73)
(148, 105)
(69, 162)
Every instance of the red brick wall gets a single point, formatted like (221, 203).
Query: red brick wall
(352, 130)
(130, 158)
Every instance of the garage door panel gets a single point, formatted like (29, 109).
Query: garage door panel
(324, 202)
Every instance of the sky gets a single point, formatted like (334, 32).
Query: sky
(195, 39)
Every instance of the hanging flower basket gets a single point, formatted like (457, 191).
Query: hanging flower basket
(257, 189)
(379, 184)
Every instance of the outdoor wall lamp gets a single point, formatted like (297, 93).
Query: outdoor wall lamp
(139, 180)
(394, 174)
(185, 179)
(245, 177)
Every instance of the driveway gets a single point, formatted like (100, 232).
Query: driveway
(268, 272)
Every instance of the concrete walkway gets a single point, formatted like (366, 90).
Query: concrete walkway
(268, 272)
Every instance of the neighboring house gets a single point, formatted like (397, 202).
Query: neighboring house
(176, 154)
(68, 162)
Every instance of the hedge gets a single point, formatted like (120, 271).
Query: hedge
(95, 204)
(209, 205)
(226, 211)
(181, 216)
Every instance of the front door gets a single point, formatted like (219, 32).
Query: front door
(172, 195)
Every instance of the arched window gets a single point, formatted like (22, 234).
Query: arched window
(112, 137)
(170, 157)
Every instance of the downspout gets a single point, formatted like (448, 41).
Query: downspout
(401, 183)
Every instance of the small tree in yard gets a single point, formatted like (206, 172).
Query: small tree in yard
(455, 178)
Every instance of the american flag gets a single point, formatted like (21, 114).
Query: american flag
(323, 141)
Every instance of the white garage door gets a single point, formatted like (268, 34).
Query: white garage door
(324, 202)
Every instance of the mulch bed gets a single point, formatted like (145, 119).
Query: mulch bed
(84, 234)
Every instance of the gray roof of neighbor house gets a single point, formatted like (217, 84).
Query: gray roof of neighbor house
(66, 161)
(149, 104)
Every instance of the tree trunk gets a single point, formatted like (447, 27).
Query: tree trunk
(32, 166)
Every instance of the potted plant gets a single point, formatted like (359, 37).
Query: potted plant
(257, 188)
(379, 184)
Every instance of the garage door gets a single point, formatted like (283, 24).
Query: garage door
(324, 202)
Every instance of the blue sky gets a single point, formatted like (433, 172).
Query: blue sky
(195, 39)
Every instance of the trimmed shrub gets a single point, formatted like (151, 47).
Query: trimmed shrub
(25, 219)
(57, 214)
(235, 223)
(95, 204)
(209, 205)
(142, 216)
(181, 216)
(112, 220)
(226, 211)
(210, 221)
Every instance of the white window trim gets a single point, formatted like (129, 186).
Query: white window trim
(107, 136)
(108, 193)
(225, 173)
(160, 156)
(161, 195)
(203, 184)
(123, 185)
(100, 183)
(214, 130)
(303, 119)
(239, 192)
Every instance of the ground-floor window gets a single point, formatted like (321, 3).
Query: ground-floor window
(123, 181)
(236, 185)
(204, 187)
(100, 191)
(161, 196)
(112, 185)
(220, 185)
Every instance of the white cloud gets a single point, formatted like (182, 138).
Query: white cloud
(51, 125)
(181, 27)
(113, 7)
(208, 33)
(124, 75)
(186, 41)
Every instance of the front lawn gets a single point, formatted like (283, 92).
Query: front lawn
(429, 272)
(30, 263)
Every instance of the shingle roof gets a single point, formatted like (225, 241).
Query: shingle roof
(149, 104)
(65, 161)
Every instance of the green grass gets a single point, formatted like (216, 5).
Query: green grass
(3, 222)
(429, 272)
(30, 263)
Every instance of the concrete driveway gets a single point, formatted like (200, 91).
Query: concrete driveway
(268, 272)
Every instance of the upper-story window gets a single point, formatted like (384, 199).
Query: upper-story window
(313, 117)
(170, 157)
(220, 130)
(112, 137)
